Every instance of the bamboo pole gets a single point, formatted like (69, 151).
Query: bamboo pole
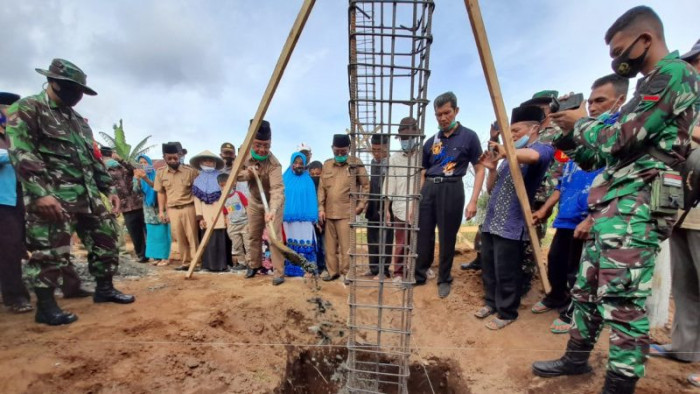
(287, 50)
(482, 44)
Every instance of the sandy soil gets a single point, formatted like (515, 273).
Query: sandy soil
(220, 333)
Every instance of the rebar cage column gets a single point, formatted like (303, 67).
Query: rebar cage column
(388, 80)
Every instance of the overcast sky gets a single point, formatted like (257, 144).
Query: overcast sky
(195, 71)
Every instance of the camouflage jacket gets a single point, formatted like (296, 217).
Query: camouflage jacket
(52, 154)
(661, 114)
(554, 171)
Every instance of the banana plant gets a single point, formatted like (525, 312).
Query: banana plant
(118, 143)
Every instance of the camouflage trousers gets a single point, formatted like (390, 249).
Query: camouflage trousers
(614, 279)
(50, 247)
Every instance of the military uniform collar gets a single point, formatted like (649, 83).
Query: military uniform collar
(52, 104)
(170, 169)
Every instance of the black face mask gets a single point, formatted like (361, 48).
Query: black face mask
(316, 180)
(174, 166)
(626, 67)
(70, 93)
(229, 160)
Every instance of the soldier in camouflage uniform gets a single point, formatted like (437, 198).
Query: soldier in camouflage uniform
(547, 132)
(617, 265)
(52, 152)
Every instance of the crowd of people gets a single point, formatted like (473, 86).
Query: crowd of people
(594, 162)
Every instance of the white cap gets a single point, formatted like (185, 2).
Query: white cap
(303, 147)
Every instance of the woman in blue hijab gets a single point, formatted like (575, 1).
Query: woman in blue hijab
(157, 233)
(300, 212)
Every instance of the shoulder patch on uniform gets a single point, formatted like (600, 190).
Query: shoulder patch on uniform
(655, 86)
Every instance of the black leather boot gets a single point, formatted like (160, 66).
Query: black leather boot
(80, 293)
(574, 361)
(105, 292)
(48, 312)
(251, 272)
(618, 384)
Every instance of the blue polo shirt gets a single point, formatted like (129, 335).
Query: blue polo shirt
(450, 156)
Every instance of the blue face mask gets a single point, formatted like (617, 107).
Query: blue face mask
(407, 145)
(3, 119)
(341, 159)
(111, 163)
(522, 142)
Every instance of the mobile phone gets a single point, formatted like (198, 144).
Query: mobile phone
(571, 102)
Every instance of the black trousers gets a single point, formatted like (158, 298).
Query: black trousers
(502, 274)
(136, 227)
(563, 261)
(12, 251)
(374, 236)
(441, 205)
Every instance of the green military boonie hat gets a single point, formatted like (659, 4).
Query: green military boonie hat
(67, 71)
(542, 97)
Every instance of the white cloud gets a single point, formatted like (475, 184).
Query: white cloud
(195, 71)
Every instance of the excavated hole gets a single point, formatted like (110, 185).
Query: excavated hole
(321, 371)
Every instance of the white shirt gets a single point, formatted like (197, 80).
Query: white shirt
(401, 181)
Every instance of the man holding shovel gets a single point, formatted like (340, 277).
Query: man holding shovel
(269, 170)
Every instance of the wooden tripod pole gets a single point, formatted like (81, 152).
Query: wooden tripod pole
(482, 44)
(255, 124)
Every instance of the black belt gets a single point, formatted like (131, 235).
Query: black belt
(443, 179)
(181, 206)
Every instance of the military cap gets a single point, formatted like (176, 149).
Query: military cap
(527, 113)
(227, 146)
(8, 98)
(694, 51)
(542, 97)
(106, 151)
(67, 71)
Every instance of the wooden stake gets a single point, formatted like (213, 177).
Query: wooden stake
(482, 44)
(255, 124)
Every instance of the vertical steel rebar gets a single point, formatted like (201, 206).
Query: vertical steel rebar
(388, 74)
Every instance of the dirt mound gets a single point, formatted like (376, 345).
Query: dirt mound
(225, 334)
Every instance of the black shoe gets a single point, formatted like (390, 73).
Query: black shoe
(239, 267)
(574, 361)
(444, 289)
(251, 272)
(329, 278)
(475, 265)
(143, 260)
(277, 281)
(182, 268)
(80, 293)
(105, 292)
(618, 384)
(48, 312)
